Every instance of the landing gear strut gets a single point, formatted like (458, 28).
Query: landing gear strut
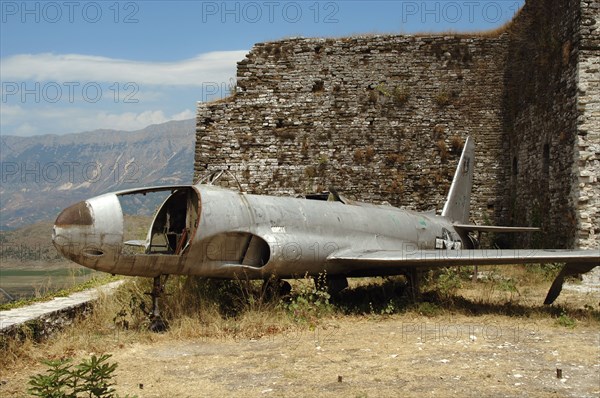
(157, 323)
(414, 288)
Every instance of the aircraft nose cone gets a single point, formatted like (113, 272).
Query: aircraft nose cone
(69, 226)
(90, 233)
(78, 214)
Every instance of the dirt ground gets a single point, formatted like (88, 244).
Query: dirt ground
(490, 355)
(457, 356)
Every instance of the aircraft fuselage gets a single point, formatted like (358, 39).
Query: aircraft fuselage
(214, 232)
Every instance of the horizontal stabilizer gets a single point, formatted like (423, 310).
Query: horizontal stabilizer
(492, 228)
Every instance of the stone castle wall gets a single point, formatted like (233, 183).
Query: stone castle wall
(552, 122)
(380, 118)
(541, 121)
(383, 118)
(588, 126)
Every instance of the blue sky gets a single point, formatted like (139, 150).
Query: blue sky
(72, 66)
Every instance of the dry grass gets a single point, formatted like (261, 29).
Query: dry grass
(443, 149)
(443, 98)
(493, 33)
(225, 339)
(490, 33)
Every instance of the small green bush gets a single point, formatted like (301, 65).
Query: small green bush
(566, 321)
(445, 282)
(428, 309)
(309, 302)
(90, 378)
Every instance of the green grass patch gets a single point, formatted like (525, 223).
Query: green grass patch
(27, 272)
(566, 321)
(89, 284)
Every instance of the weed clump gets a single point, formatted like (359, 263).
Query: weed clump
(566, 321)
(91, 378)
(309, 302)
(400, 95)
(443, 98)
(445, 283)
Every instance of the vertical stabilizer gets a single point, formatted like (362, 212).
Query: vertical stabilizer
(458, 203)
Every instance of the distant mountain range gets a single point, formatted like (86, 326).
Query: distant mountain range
(41, 175)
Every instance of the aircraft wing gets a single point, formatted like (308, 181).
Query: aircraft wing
(576, 261)
(444, 258)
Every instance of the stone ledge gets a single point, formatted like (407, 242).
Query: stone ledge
(44, 319)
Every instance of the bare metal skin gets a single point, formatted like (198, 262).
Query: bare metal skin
(213, 232)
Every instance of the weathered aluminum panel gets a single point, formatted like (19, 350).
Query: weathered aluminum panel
(91, 233)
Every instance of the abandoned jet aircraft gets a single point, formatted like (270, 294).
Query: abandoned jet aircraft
(214, 232)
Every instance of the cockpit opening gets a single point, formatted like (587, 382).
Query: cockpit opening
(175, 223)
(171, 228)
(139, 209)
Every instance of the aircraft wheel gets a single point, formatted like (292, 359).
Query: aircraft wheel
(273, 288)
(158, 325)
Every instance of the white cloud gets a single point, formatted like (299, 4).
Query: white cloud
(128, 120)
(217, 66)
(11, 113)
(38, 97)
(135, 121)
(25, 129)
(186, 114)
(74, 120)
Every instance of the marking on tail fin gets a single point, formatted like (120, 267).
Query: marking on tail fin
(466, 166)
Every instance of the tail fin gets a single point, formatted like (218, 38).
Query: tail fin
(458, 203)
